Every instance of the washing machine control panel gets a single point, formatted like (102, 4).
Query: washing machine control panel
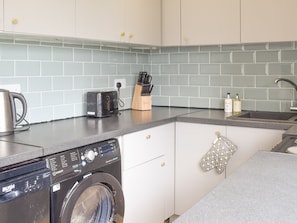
(84, 159)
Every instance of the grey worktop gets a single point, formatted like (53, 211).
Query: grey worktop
(61, 135)
(263, 190)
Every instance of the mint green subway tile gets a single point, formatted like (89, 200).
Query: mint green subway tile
(285, 106)
(55, 44)
(62, 54)
(188, 68)
(155, 69)
(256, 93)
(52, 98)
(248, 105)
(41, 114)
(268, 105)
(92, 46)
(136, 68)
(130, 57)
(281, 94)
(73, 96)
(233, 47)
(27, 68)
(82, 82)
(288, 55)
(62, 83)
(217, 103)
(73, 45)
(51, 68)
(156, 91)
(33, 99)
(13, 52)
(211, 92)
(115, 57)
(169, 90)
(209, 68)
(162, 79)
(220, 57)
(281, 45)
(254, 69)
(280, 69)
(6, 68)
(80, 109)
(242, 57)
(73, 69)
(231, 69)
(179, 80)
(199, 80)
(22, 81)
(27, 42)
(255, 46)
(92, 69)
(169, 49)
(39, 53)
(82, 55)
(100, 56)
(62, 111)
(266, 56)
(6, 40)
(123, 69)
(169, 69)
(210, 48)
(199, 102)
(143, 58)
(220, 80)
(100, 82)
(199, 57)
(265, 81)
(189, 49)
(189, 91)
(160, 58)
(295, 68)
(179, 101)
(108, 69)
(161, 101)
(244, 81)
(39, 84)
(179, 58)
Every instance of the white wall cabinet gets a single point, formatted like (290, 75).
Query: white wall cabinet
(210, 22)
(100, 19)
(48, 17)
(192, 143)
(171, 22)
(148, 174)
(268, 20)
(132, 21)
(1, 16)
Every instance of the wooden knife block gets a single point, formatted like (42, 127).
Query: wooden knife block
(141, 102)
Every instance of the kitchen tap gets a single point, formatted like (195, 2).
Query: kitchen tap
(286, 80)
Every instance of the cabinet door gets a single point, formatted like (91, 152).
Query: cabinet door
(191, 183)
(268, 20)
(1, 16)
(171, 22)
(143, 21)
(100, 19)
(49, 17)
(148, 174)
(143, 188)
(210, 21)
(249, 141)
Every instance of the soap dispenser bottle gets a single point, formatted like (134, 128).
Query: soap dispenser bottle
(228, 104)
(237, 104)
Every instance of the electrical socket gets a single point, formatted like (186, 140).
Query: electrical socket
(122, 81)
(11, 87)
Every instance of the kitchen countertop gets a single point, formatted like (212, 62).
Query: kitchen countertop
(262, 190)
(56, 136)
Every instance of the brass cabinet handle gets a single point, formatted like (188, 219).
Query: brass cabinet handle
(148, 136)
(163, 164)
(14, 21)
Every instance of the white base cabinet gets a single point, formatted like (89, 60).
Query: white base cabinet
(192, 143)
(148, 174)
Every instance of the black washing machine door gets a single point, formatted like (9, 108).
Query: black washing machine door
(96, 199)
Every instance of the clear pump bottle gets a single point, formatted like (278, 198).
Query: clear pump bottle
(228, 104)
(237, 104)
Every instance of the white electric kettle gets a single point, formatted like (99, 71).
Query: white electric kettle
(8, 115)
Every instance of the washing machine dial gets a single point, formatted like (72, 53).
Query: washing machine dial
(90, 155)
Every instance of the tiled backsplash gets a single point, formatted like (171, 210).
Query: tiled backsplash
(55, 76)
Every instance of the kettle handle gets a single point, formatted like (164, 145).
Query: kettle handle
(21, 98)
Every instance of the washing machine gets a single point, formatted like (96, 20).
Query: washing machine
(86, 184)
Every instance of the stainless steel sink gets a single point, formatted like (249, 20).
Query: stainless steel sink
(267, 116)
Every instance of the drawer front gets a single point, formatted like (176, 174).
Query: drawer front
(145, 145)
